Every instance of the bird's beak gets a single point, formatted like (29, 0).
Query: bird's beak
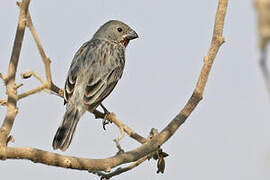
(131, 35)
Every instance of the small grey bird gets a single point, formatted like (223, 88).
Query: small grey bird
(95, 70)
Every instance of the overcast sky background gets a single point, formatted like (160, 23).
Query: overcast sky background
(226, 137)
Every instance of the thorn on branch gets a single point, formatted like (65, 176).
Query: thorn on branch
(18, 3)
(153, 132)
(29, 74)
(19, 85)
(10, 139)
(49, 60)
(120, 150)
(4, 78)
(221, 40)
(26, 75)
(3, 102)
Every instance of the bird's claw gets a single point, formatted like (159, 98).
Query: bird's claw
(105, 122)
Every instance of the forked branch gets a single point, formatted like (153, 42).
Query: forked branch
(11, 89)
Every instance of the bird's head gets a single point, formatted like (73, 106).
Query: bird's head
(116, 31)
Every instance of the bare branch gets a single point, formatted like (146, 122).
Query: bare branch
(120, 170)
(111, 117)
(263, 13)
(32, 91)
(217, 41)
(10, 80)
(3, 102)
(47, 62)
(48, 85)
(54, 159)
(29, 73)
(4, 78)
(45, 59)
(19, 85)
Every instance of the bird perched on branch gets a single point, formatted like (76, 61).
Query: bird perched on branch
(95, 70)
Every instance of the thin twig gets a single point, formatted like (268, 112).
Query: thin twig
(19, 85)
(217, 41)
(48, 85)
(3, 102)
(29, 73)
(111, 117)
(32, 91)
(120, 170)
(4, 78)
(47, 62)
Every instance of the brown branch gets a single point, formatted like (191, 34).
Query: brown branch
(49, 85)
(10, 80)
(55, 159)
(4, 78)
(3, 102)
(263, 13)
(47, 62)
(150, 146)
(32, 91)
(111, 117)
(120, 170)
(217, 41)
(27, 75)
(43, 86)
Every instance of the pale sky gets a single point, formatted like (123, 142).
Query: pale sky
(226, 137)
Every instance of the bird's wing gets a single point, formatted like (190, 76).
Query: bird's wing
(105, 73)
(96, 93)
(74, 70)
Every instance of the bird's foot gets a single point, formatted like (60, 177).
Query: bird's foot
(105, 119)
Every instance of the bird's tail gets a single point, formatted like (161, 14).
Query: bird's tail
(65, 132)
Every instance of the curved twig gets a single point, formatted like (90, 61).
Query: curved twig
(111, 117)
(120, 170)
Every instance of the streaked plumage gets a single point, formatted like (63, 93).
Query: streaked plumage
(95, 70)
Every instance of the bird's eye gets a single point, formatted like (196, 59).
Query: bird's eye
(119, 29)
